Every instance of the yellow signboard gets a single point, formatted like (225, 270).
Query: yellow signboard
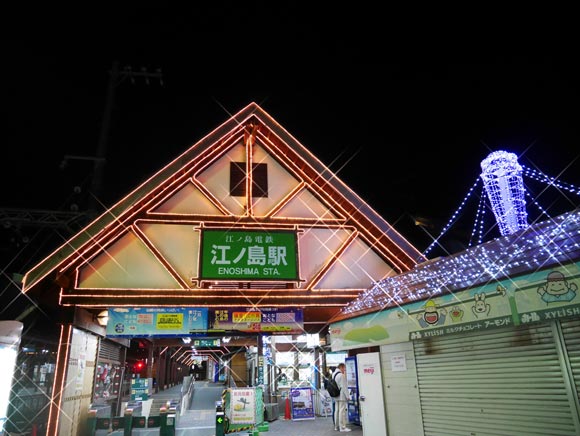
(275, 328)
(169, 321)
(246, 317)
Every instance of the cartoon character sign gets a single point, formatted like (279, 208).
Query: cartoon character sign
(480, 308)
(456, 314)
(432, 316)
(557, 288)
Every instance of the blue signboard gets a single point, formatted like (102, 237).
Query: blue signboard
(158, 322)
(353, 394)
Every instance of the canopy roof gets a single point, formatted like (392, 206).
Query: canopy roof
(127, 255)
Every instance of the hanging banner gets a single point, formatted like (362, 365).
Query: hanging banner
(248, 255)
(157, 322)
(267, 320)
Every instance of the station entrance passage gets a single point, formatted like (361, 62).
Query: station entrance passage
(199, 417)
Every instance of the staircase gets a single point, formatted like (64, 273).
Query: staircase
(157, 404)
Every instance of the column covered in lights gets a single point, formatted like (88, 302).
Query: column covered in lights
(502, 178)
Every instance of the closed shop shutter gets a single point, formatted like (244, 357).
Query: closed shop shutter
(571, 333)
(110, 351)
(506, 382)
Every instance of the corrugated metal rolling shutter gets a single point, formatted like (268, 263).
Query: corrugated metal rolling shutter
(571, 333)
(110, 352)
(504, 382)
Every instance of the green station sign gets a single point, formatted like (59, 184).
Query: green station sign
(249, 255)
(206, 342)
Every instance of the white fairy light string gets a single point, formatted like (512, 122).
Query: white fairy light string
(453, 218)
(502, 178)
(551, 242)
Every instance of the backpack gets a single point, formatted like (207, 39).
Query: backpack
(332, 387)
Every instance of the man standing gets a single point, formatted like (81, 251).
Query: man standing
(340, 413)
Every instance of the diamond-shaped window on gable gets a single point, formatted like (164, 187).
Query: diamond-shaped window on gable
(238, 179)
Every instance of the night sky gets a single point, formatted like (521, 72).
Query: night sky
(403, 118)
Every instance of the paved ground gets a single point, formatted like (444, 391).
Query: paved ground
(200, 420)
(320, 426)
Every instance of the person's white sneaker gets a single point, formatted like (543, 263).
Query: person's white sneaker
(345, 429)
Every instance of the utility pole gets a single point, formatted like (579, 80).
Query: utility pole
(17, 219)
(116, 77)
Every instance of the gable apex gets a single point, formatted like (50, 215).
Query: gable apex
(334, 203)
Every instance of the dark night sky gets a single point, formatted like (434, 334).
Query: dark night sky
(403, 117)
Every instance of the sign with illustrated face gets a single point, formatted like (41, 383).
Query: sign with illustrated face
(541, 296)
(248, 255)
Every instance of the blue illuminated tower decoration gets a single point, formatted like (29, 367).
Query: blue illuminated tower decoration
(502, 178)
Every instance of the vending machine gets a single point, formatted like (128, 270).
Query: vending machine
(352, 382)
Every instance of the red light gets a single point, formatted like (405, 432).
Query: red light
(139, 366)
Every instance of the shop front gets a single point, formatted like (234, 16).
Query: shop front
(501, 357)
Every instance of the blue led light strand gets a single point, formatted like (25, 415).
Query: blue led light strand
(535, 203)
(551, 181)
(452, 219)
(478, 222)
(551, 243)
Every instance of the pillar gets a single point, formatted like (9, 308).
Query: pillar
(64, 346)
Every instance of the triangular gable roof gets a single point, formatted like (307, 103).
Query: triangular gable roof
(184, 184)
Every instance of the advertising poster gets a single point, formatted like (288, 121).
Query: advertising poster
(352, 383)
(107, 382)
(242, 406)
(245, 319)
(301, 404)
(156, 322)
(82, 364)
(326, 404)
